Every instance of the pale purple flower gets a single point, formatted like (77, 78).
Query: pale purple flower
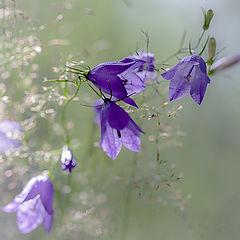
(189, 75)
(147, 70)
(118, 78)
(9, 135)
(67, 159)
(117, 128)
(34, 204)
(225, 63)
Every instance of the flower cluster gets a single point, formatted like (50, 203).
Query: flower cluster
(120, 79)
(116, 83)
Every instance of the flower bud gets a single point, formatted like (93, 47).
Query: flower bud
(211, 50)
(207, 19)
(225, 63)
(67, 159)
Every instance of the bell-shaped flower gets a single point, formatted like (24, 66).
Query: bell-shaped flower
(118, 78)
(147, 70)
(189, 75)
(67, 159)
(117, 129)
(10, 132)
(34, 204)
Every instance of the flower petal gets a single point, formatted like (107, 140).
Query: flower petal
(110, 142)
(21, 197)
(130, 137)
(47, 221)
(198, 85)
(132, 82)
(30, 215)
(180, 84)
(43, 186)
(115, 115)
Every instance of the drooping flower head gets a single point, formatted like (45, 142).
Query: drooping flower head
(118, 78)
(9, 135)
(146, 70)
(34, 204)
(189, 75)
(117, 129)
(67, 159)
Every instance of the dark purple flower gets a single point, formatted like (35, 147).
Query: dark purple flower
(118, 78)
(189, 75)
(117, 128)
(34, 204)
(9, 135)
(146, 70)
(67, 159)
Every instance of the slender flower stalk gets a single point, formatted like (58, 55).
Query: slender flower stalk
(64, 122)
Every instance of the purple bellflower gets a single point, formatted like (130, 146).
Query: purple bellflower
(118, 78)
(189, 75)
(117, 128)
(146, 70)
(34, 204)
(67, 159)
(9, 135)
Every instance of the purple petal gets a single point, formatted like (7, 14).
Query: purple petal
(47, 221)
(168, 75)
(130, 101)
(47, 194)
(110, 142)
(114, 115)
(10, 126)
(20, 198)
(11, 207)
(44, 187)
(7, 144)
(198, 85)
(130, 137)
(147, 76)
(180, 84)
(30, 215)
(132, 82)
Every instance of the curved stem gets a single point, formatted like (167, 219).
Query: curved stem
(64, 122)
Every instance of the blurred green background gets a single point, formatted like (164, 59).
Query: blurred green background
(105, 30)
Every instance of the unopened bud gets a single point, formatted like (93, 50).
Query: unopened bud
(211, 49)
(225, 63)
(207, 19)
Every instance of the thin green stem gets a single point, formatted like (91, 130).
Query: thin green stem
(64, 122)
(59, 80)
